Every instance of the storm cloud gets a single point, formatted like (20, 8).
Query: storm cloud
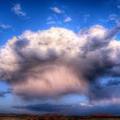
(79, 110)
(58, 61)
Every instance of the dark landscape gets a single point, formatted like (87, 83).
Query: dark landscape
(57, 117)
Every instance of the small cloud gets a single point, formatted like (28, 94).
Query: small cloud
(118, 6)
(18, 10)
(5, 26)
(56, 10)
(85, 17)
(113, 17)
(50, 21)
(49, 18)
(67, 19)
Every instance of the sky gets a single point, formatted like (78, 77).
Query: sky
(60, 56)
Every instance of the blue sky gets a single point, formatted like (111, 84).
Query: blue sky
(16, 16)
(41, 15)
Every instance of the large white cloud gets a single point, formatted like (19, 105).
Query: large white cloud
(58, 61)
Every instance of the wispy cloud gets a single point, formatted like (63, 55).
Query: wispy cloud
(67, 19)
(85, 17)
(17, 9)
(5, 26)
(56, 10)
(113, 17)
(3, 93)
(118, 6)
(50, 21)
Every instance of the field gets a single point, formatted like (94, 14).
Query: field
(54, 117)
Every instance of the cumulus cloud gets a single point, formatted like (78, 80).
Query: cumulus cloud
(17, 9)
(56, 10)
(58, 61)
(45, 55)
